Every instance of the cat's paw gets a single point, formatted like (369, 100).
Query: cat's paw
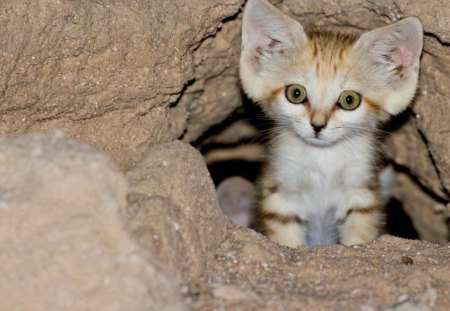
(354, 238)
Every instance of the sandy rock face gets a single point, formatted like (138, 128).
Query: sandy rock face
(251, 273)
(172, 208)
(63, 246)
(110, 73)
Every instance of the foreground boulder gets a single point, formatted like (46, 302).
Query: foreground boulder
(75, 236)
(63, 246)
(173, 210)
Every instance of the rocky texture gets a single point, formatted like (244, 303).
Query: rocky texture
(63, 245)
(70, 239)
(126, 75)
(173, 210)
(251, 273)
(429, 222)
(111, 73)
(216, 92)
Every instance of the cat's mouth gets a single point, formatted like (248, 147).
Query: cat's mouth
(314, 139)
(317, 140)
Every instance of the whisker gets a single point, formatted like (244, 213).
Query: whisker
(369, 129)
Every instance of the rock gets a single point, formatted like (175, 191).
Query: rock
(111, 73)
(173, 210)
(233, 293)
(432, 110)
(63, 245)
(364, 277)
(428, 220)
(407, 149)
(216, 92)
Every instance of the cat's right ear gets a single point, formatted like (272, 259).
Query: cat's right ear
(269, 40)
(392, 56)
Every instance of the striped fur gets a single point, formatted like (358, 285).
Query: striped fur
(322, 156)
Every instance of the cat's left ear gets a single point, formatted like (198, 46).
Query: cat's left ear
(270, 40)
(393, 55)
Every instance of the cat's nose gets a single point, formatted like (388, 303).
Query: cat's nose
(317, 127)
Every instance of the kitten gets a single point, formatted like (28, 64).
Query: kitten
(327, 93)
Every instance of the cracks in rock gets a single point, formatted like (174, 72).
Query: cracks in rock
(435, 166)
(181, 92)
(407, 171)
(437, 38)
(395, 13)
(175, 103)
(196, 45)
(441, 201)
(184, 132)
(191, 50)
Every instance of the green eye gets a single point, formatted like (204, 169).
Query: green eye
(349, 100)
(296, 94)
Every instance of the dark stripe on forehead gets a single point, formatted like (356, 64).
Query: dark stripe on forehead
(341, 54)
(330, 45)
(334, 40)
(315, 49)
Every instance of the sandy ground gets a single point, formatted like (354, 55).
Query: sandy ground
(252, 273)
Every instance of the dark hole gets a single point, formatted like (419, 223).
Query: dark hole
(246, 169)
(399, 223)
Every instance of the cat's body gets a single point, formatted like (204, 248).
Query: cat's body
(327, 94)
(304, 185)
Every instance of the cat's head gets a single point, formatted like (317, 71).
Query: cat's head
(327, 86)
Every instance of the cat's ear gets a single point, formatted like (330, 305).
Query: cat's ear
(393, 56)
(269, 40)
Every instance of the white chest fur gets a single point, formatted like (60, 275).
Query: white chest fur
(314, 179)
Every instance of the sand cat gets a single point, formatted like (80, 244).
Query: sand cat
(327, 92)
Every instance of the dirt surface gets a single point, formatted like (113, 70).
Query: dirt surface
(251, 273)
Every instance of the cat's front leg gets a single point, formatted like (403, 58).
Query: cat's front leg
(361, 224)
(280, 220)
